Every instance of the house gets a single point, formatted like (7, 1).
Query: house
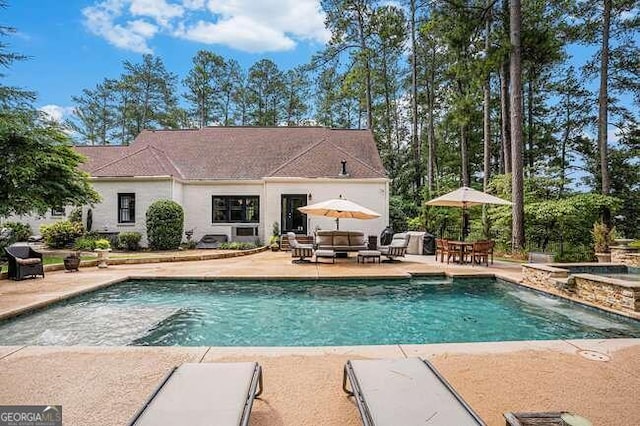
(238, 181)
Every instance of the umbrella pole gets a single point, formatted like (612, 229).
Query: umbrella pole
(337, 223)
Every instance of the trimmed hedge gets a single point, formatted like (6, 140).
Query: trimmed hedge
(61, 234)
(165, 225)
(129, 240)
(19, 231)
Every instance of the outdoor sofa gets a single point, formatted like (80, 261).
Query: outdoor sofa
(405, 391)
(341, 241)
(24, 262)
(198, 394)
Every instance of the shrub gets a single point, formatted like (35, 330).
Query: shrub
(75, 215)
(19, 231)
(61, 234)
(103, 244)
(165, 223)
(602, 237)
(86, 243)
(236, 245)
(129, 240)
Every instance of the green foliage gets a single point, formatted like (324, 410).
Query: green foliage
(130, 240)
(85, 243)
(635, 244)
(102, 244)
(75, 215)
(415, 224)
(38, 166)
(165, 224)
(19, 231)
(61, 234)
(400, 210)
(235, 245)
(602, 237)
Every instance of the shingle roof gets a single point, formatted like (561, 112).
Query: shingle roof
(241, 153)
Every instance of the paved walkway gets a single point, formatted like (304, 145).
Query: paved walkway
(105, 385)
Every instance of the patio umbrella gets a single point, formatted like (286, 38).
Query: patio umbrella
(339, 208)
(466, 197)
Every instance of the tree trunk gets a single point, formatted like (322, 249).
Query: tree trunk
(505, 112)
(563, 148)
(415, 141)
(464, 156)
(531, 130)
(603, 105)
(486, 109)
(367, 71)
(517, 177)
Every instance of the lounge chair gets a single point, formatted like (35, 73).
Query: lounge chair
(301, 251)
(405, 391)
(203, 394)
(24, 262)
(397, 248)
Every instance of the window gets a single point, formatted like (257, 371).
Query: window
(126, 208)
(57, 211)
(236, 209)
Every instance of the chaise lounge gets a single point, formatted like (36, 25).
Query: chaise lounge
(203, 394)
(405, 391)
(24, 262)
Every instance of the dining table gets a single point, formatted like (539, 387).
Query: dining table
(460, 248)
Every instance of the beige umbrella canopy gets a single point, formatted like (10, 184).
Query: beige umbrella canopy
(466, 197)
(339, 208)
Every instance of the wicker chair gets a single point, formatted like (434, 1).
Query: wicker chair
(24, 262)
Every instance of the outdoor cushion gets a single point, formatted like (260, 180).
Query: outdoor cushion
(324, 240)
(341, 240)
(28, 261)
(357, 240)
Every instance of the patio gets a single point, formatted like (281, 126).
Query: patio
(105, 385)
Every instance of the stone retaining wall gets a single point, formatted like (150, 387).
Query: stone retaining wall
(619, 295)
(610, 292)
(627, 255)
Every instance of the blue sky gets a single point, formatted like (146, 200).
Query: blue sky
(74, 44)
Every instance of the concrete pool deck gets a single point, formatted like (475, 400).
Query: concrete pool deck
(105, 385)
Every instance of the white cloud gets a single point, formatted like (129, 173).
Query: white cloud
(56, 112)
(247, 25)
(100, 20)
(159, 10)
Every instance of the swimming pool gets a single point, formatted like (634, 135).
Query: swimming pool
(310, 313)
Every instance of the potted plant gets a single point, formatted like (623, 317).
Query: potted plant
(602, 237)
(274, 240)
(72, 261)
(103, 247)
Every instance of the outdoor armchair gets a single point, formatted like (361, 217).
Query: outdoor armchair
(24, 262)
(397, 248)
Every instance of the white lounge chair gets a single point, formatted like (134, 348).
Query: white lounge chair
(405, 391)
(203, 394)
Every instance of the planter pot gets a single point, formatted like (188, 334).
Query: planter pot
(275, 248)
(604, 257)
(71, 263)
(103, 256)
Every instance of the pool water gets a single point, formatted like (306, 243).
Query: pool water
(310, 313)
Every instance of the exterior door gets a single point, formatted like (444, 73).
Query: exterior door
(292, 219)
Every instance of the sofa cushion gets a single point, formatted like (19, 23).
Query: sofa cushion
(357, 239)
(324, 240)
(28, 261)
(341, 240)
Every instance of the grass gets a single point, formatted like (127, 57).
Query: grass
(48, 260)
